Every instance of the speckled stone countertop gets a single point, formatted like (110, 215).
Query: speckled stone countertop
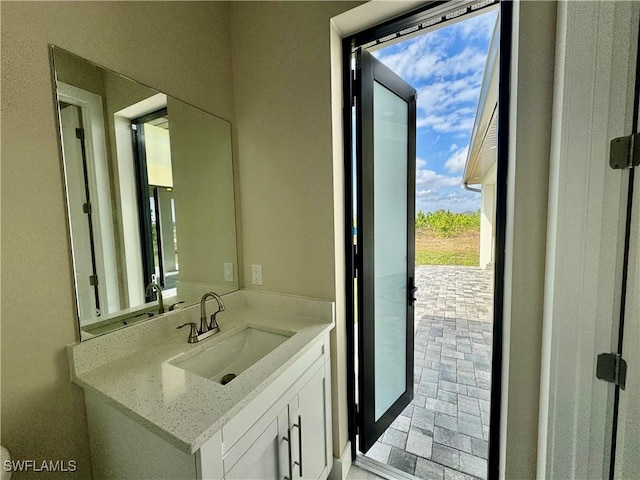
(130, 368)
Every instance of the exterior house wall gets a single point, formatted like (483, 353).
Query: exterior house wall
(488, 219)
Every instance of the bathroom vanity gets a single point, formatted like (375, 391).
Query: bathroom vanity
(156, 406)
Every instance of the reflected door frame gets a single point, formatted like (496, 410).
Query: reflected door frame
(99, 187)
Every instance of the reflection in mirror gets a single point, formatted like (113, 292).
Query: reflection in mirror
(150, 198)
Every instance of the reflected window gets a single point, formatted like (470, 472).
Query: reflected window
(156, 204)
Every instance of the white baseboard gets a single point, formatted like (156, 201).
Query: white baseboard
(341, 465)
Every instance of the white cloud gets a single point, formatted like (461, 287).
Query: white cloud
(448, 88)
(440, 191)
(455, 199)
(448, 123)
(444, 95)
(455, 163)
(468, 60)
(449, 106)
(447, 103)
(418, 57)
(430, 179)
(480, 26)
(427, 56)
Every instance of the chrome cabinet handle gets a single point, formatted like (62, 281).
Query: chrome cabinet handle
(287, 439)
(299, 427)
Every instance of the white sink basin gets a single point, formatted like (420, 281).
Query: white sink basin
(233, 355)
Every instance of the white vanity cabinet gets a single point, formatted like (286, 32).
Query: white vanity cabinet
(296, 442)
(315, 426)
(284, 433)
(292, 438)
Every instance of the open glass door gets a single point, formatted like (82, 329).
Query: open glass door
(385, 162)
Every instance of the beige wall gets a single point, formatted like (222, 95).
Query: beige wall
(281, 74)
(281, 79)
(202, 170)
(180, 48)
(283, 129)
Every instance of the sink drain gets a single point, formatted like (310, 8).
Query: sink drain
(227, 378)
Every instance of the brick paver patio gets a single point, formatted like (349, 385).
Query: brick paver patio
(443, 433)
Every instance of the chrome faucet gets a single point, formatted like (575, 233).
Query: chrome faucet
(206, 330)
(213, 324)
(154, 286)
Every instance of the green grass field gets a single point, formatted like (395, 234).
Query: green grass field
(447, 238)
(462, 249)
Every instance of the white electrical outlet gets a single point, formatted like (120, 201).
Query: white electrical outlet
(228, 272)
(256, 274)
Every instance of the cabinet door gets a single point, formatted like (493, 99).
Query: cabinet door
(209, 459)
(267, 458)
(312, 430)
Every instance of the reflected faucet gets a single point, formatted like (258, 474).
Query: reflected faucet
(154, 286)
(213, 325)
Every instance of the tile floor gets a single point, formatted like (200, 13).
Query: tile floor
(443, 433)
(357, 473)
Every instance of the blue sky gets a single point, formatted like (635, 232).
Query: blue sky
(445, 66)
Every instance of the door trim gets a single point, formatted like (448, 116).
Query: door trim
(502, 167)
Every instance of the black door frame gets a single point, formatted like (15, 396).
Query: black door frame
(373, 71)
(364, 37)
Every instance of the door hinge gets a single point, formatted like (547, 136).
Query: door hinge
(354, 84)
(356, 261)
(80, 133)
(625, 152)
(93, 280)
(612, 368)
(86, 207)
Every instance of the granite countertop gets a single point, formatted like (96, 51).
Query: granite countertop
(130, 368)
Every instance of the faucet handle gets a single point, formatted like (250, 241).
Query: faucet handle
(193, 333)
(173, 306)
(213, 324)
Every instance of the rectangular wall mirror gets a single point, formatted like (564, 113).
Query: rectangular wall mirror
(150, 198)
